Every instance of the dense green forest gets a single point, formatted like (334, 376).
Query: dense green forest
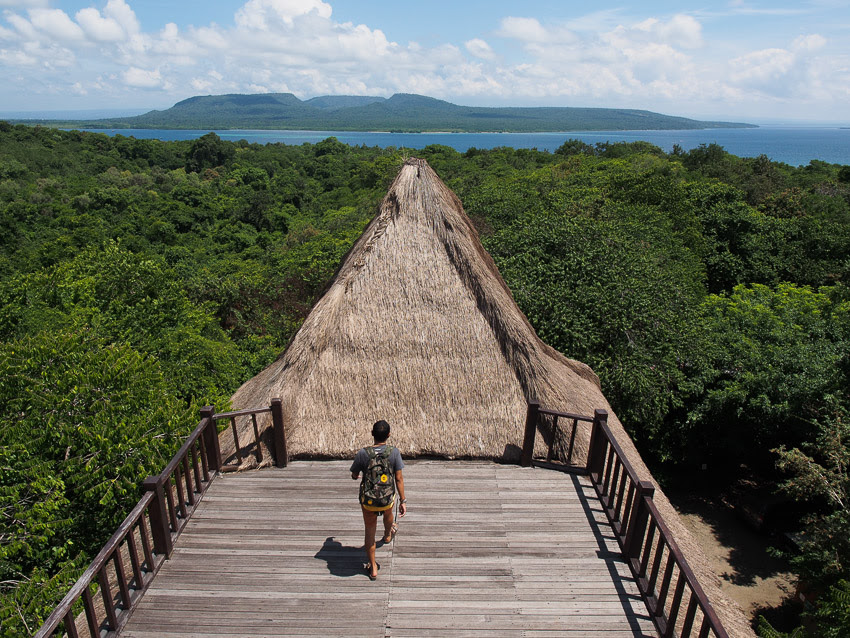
(401, 112)
(140, 280)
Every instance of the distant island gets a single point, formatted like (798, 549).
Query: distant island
(402, 112)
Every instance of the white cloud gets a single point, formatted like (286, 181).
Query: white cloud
(265, 15)
(210, 38)
(120, 12)
(17, 59)
(479, 49)
(296, 45)
(524, 29)
(24, 27)
(210, 83)
(56, 24)
(99, 28)
(798, 71)
(599, 59)
(202, 85)
(680, 31)
(762, 67)
(658, 63)
(811, 42)
(630, 61)
(141, 78)
(261, 75)
(171, 46)
(7, 34)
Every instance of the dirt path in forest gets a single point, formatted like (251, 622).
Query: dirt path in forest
(748, 574)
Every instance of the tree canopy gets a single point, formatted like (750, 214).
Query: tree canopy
(142, 279)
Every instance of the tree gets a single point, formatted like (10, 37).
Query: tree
(711, 160)
(83, 423)
(575, 147)
(124, 298)
(829, 619)
(832, 615)
(773, 362)
(208, 151)
(822, 478)
(33, 506)
(619, 304)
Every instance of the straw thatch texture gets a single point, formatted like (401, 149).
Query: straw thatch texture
(419, 328)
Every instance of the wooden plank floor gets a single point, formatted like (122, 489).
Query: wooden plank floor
(485, 550)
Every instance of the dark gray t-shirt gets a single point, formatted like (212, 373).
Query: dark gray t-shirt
(361, 460)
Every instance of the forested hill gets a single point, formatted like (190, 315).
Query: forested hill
(401, 112)
(141, 279)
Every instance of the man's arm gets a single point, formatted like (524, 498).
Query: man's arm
(399, 485)
(356, 467)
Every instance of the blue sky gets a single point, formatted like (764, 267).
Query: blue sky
(743, 60)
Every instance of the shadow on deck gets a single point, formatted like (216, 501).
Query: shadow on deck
(485, 549)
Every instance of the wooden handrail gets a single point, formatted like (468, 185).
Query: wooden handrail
(643, 535)
(230, 415)
(690, 577)
(566, 415)
(532, 424)
(609, 436)
(157, 520)
(184, 450)
(63, 612)
(281, 457)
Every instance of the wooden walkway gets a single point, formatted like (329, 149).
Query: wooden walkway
(485, 550)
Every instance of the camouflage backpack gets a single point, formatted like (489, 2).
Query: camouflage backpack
(377, 488)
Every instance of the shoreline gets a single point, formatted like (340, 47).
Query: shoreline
(796, 146)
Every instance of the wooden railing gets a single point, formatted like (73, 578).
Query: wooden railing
(561, 443)
(278, 444)
(168, 501)
(644, 538)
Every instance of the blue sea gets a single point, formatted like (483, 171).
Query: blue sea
(792, 145)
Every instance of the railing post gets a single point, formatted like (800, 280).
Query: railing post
(596, 449)
(278, 434)
(532, 416)
(160, 528)
(211, 439)
(638, 520)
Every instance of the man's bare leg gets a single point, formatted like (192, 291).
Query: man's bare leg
(370, 522)
(389, 518)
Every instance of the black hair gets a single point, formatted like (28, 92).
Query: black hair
(381, 431)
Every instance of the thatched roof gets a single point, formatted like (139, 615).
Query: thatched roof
(419, 328)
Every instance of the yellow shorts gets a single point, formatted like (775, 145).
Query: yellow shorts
(372, 508)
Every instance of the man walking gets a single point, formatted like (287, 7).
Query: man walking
(381, 466)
